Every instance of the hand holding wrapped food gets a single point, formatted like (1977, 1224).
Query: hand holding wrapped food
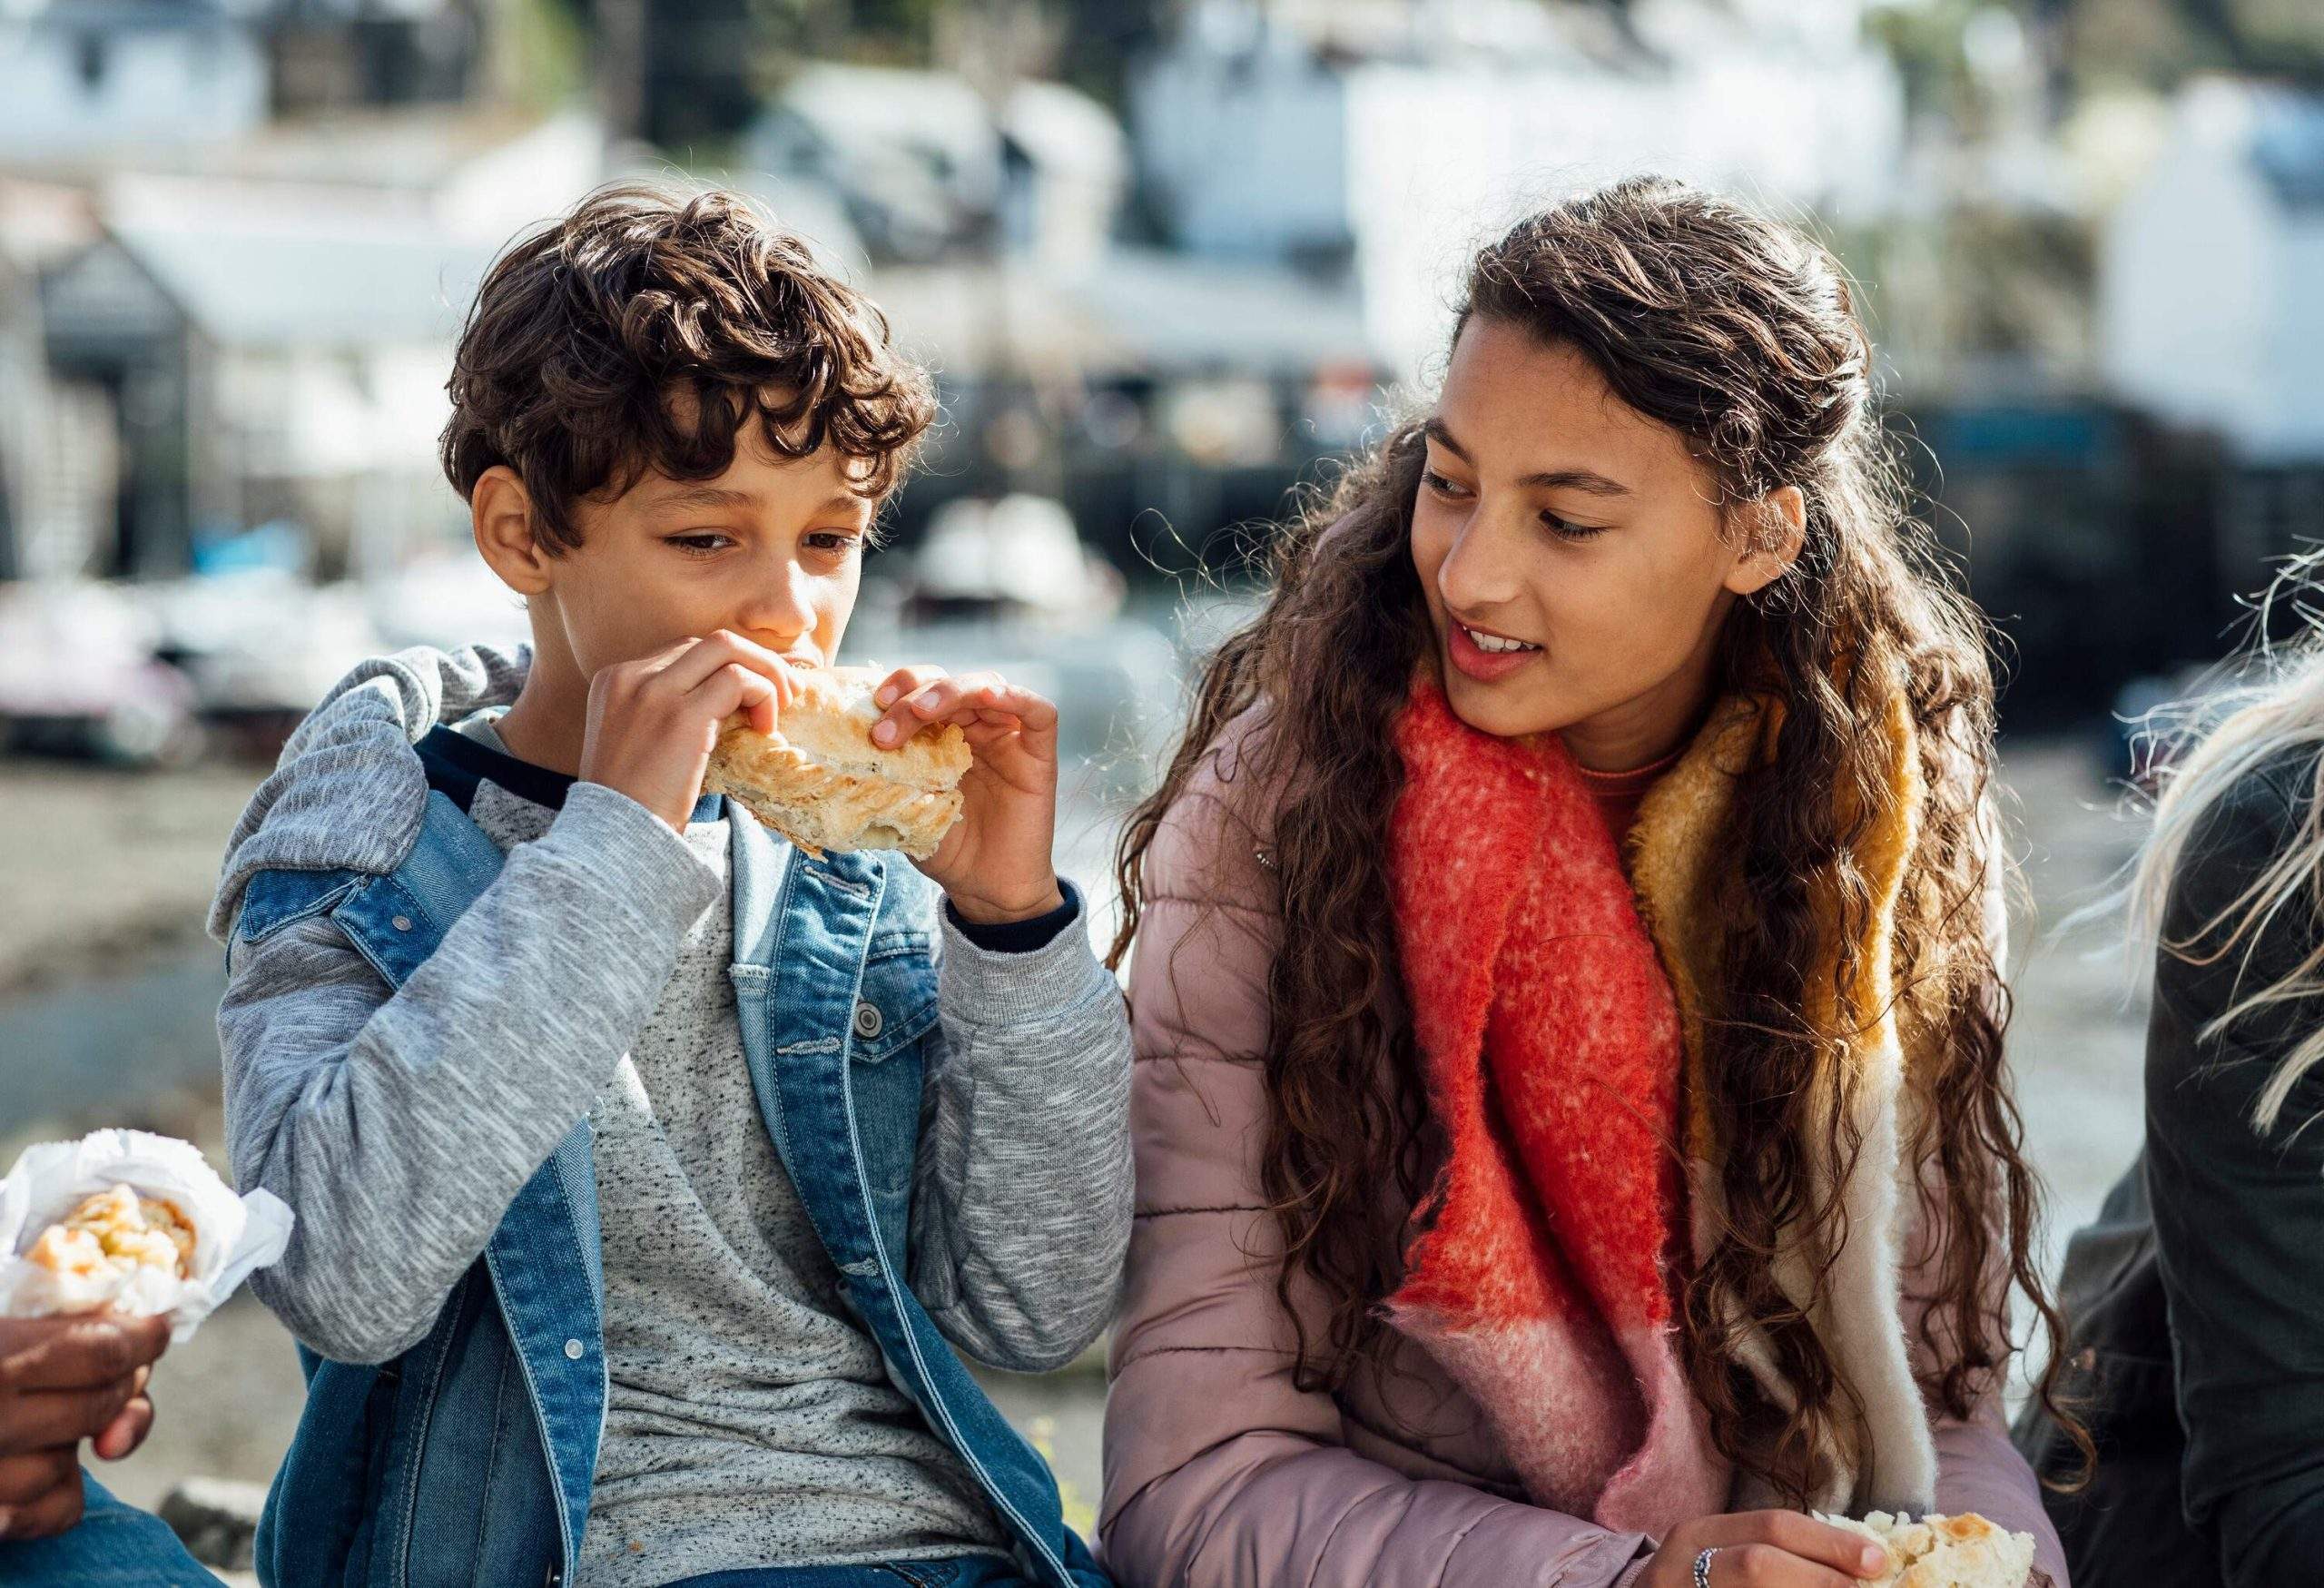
(133, 1222)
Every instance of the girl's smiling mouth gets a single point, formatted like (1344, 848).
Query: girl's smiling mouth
(1484, 656)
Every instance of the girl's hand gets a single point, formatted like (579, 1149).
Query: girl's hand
(1765, 1549)
(996, 862)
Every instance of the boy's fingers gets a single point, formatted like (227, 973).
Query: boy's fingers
(953, 699)
(702, 659)
(910, 713)
(1035, 713)
(902, 699)
(902, 682)
(734, 688)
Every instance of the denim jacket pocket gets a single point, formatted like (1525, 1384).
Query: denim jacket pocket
(897, 1001)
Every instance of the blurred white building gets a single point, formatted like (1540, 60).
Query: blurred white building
(59, 455)
(87, 78)
(266, 341)
(267, 358)
(1380, 142)
(923, 165)
(2211, 273)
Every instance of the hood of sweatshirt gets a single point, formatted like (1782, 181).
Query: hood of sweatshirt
(347, 792)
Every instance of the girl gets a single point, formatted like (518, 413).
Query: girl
(1570, 1123)
(2199, 1332)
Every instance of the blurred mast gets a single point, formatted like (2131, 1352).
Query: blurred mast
(621, 70)
(993, 43)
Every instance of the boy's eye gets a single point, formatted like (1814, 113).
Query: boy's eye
(701, 543)
(838, 541)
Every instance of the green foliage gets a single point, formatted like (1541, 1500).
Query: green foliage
(544, 54)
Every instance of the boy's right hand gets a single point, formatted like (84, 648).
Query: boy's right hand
(64, 1380)
(654, 721)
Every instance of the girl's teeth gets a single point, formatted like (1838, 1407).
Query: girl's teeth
(1495, 643)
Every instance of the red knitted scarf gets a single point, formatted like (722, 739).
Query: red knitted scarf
(1550, 1040)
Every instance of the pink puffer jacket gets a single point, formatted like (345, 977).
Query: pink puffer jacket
(1218, 1469)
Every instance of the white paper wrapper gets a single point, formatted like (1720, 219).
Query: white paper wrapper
(233, 1234)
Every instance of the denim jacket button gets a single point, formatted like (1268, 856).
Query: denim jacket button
(868, 1018)
(574, 1350)
(401, 924)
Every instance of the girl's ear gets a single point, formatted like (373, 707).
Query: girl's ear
(501, 512)
(1777, 528)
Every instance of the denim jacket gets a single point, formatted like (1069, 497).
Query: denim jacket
(469, 1457)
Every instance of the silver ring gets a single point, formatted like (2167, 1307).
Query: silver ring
(1702, 1567)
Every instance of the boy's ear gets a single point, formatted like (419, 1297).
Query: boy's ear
(501, 511)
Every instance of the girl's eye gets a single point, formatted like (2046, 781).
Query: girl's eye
(701, 544)
(1566, 530)
(1439, 484)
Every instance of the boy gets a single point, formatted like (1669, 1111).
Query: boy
(649, 1173)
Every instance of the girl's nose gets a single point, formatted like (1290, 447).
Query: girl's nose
(1484, 569)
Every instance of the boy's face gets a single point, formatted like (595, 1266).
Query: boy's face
(773, 550)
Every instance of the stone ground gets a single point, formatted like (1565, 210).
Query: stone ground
(106, 991)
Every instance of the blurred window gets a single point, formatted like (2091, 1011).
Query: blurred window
(90, 61)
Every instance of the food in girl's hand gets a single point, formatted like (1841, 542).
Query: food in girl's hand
(821, 782)
(115, 1231)
(1944, 1552)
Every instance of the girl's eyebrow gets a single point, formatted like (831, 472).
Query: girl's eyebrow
(1587, 481)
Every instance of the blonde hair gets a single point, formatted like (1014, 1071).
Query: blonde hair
(2273, 709)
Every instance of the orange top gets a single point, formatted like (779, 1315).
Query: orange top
(1618, 795)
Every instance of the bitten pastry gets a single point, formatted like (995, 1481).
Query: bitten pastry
(821, 782)
(1944, 1552)
(113, 1232)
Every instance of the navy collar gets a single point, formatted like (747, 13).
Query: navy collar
(456, 763)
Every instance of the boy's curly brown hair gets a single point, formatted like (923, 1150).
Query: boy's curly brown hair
(644, 332)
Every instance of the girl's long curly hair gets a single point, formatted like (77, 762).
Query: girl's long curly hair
(1740, 334)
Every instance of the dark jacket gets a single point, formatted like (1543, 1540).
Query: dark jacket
(2196, 1302)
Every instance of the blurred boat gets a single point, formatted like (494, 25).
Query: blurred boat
(80, 675)
(1007, 584)
(261, 646)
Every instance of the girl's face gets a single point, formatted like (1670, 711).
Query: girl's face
(1576, 569)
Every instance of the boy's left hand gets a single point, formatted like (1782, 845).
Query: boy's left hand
(996, 862)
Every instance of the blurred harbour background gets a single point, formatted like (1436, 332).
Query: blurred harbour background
(1170, 259)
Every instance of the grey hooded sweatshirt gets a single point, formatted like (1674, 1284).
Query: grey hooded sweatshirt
(749, 1420)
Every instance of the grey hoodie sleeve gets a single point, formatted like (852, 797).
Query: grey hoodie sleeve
(399, 1127)
(1021, 1213)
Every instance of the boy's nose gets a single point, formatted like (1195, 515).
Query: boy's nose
(777, 614)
